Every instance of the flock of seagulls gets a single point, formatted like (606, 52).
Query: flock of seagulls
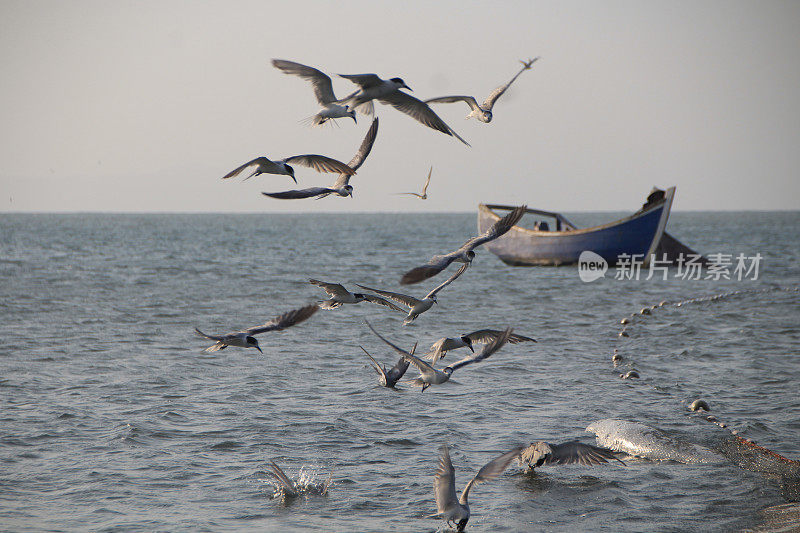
(454, 510)
(428, 375)
(370, 88)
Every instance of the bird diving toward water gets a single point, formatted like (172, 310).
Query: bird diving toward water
(389, 378)
(288, 488)
(388, 92)
(483, 112)
(262, 165)
(481, 336)
(246, 337)
(465, 254)
(323, 90)
(424, 195)
(573, 452)
(417, 307)
(430, 376)
(455, 510)
(339, 295)
(342, 185)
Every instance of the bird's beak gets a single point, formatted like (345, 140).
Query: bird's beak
(259, 349)
(409, 88)
(471, 348)
(354, 119)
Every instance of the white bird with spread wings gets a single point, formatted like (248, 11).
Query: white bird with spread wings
(482, 112)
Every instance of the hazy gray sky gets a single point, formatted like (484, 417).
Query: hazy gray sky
(143, 106)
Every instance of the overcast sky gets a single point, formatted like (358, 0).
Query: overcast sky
(143, 106)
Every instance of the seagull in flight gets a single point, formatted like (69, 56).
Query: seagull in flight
(262, 165)
(455, 510)
(339, 295)
(389, 378)
(342, 185)
(430, 376)
(483, 112)
(417, 307)
(424, 195)
(466, 253)
(388, 92)
(481, 336)
(246, 337)
(573, 452)
(323, 90)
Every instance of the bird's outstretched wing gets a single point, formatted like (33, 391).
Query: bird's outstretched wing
(285, 320)
(365, 81)
(497, 93)
(361, 155)
(470, 100)
(488, 350)
(572, 452)
(491, 470)
(427, 182)
(408, 357)
(437, 351)
(210, 337)
(387, 341)
(320, 163)
(381, 301)
(497, 229)
(252, 165)
(333, 289)
(297, 194)
(286, 483)
(404, 299)
(321, 82)
(366, 146)
(375, 364)
(437, 263)
(444, 482)
(398, 370)
(419, 111)
(449, 280)
(483, 336)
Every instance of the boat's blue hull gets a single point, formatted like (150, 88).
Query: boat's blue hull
(634, 235)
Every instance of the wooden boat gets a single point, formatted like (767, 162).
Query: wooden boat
(639, 234)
